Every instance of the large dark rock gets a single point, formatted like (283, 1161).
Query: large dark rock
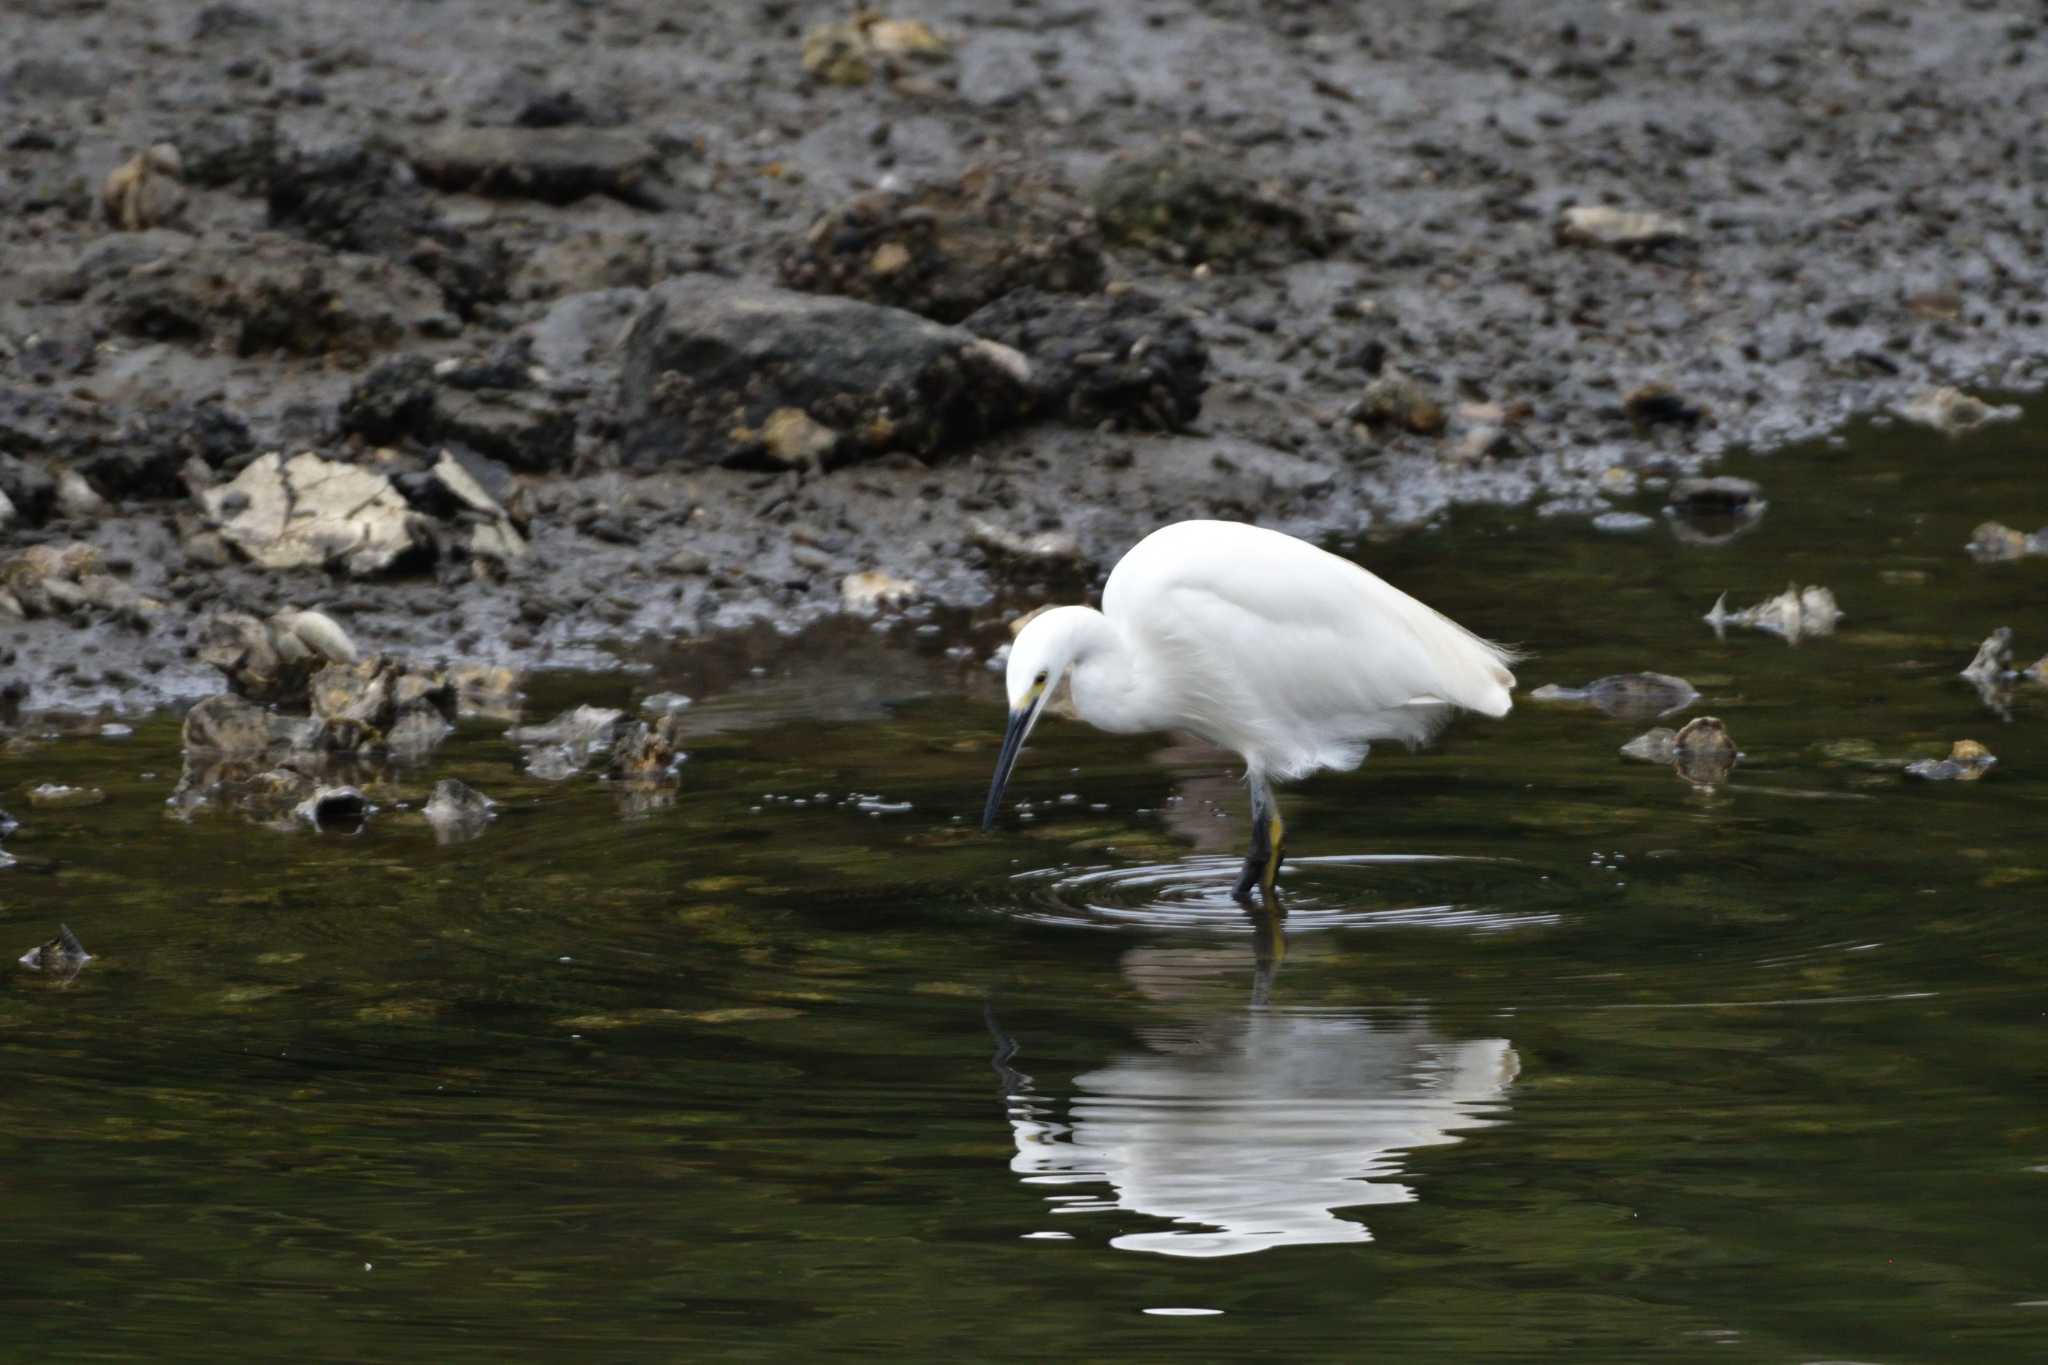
(363, 198)
(719, 371)
(1126, 358)
(123, 452)
(946, 250)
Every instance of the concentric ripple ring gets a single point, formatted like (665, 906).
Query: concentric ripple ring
(1318, 893)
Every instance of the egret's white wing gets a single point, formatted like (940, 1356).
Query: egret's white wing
(1291, 655)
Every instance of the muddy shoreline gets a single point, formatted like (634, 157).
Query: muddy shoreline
(1842, 211)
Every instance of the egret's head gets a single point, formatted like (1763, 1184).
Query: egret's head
(1039, 658)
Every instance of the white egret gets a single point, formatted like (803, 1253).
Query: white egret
(1258, 643)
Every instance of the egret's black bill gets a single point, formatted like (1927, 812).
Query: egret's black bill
(1013, 745)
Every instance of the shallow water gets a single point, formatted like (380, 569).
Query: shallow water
(1559, 1059)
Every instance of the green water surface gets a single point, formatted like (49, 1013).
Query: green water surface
(1564, 1060)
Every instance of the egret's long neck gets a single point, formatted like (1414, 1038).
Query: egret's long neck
(1113, 690)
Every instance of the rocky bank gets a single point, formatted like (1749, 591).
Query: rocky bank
(513, 333)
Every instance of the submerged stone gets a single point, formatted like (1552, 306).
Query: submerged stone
(1703, 752)
(62, 956)
(1967, 761)
(1626, 695)
(458, 811)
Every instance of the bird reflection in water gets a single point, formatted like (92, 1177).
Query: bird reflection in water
(1249, 1129)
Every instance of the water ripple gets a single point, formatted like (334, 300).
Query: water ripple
(1321, 893)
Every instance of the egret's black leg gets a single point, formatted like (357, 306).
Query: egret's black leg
(1269, 833)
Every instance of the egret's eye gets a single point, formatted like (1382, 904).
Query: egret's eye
(1041, 677)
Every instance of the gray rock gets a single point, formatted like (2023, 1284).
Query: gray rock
(716, 370)
(558, 165)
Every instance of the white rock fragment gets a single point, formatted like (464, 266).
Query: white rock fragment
(309, 512)
(1952, 412)
(317, 632)
(1045, 545)
(1604, 225)
(870, 590)
(76, 498)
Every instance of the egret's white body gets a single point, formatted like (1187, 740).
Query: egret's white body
(1262, 644)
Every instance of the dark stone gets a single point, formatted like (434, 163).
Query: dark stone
(946, 250)
(1126, 358)
(492, 408)
(713, 366)
(362, 198)
(1656, 404)
(393, 403)
(123, 452)
(555, 165)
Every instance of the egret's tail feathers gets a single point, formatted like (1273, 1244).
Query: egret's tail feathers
(1473, 673)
